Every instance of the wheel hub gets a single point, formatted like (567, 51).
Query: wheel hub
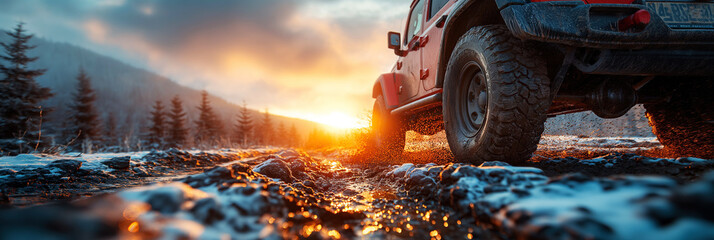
(477, 100)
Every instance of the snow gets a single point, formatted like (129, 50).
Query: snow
(400, 171)
(175, 190)
(614, 208)
(182, 216)
(619, 207)
(94, 161)
(89, 161)
(593, 143)
(688, 228)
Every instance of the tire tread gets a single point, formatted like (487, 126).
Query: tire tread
(522, 88)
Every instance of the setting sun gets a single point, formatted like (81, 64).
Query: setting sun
(340, 120)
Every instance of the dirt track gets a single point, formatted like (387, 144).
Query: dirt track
(335, 193)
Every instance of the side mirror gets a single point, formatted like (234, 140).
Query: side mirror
(394, 39)
(394, 43)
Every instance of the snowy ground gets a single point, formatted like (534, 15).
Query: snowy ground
(277, 194)
(89, 161)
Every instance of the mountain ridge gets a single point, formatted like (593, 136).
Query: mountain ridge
(126, 91)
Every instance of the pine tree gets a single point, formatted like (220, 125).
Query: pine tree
(243, 126)
(293, 137)
(177, 129)
(157, 126)
(216, 129)
(20, 95)
(208, 126)
(127, 135)
(111, 139)
(85, 115)
(266, 129)
(281, 135)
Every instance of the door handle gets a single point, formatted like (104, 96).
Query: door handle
(441, 21)
(416, 45)
(423, 73)
(423, 40)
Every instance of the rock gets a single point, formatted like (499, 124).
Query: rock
(494, 164)
(349, 192)
(140, 172)
(571, 177)
(297, 166)
(4, 172)
(207, 210)
(309, 184)
(4, 199)
(215, 175)
(275, 168)
(240, 167)
(467, 171)
(219, 173)
(696, 199)
(67, 165)
(83, 172)
(401, 171)
(166, 201)
(119, 163)
(289, 153)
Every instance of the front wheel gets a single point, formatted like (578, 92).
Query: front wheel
(496, 94)
(388, 132)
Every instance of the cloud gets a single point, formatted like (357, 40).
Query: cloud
(291, 55)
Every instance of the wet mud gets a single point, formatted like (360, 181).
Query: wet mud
(597, 190)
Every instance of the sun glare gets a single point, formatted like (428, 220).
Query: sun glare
(341, 121)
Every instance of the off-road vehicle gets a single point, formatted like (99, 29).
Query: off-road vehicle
(490, 72)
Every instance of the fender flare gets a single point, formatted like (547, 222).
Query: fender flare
(453, 26)
(386, 86)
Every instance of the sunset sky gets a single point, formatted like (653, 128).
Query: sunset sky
(311, 59)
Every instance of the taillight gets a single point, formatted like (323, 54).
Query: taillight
(639, 19)
(592, 1)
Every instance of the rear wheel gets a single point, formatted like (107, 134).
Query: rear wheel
(495, 97)
(388, 131)
(685, 123)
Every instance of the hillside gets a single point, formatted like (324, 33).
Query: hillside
(125, 91)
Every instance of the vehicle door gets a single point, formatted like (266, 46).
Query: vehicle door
(409, 65)
(430, 40)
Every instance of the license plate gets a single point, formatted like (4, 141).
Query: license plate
(685, 15)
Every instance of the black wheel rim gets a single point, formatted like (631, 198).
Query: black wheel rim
(471, 99)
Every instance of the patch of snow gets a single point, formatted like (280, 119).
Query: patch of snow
(89, 161)
(596, 143)
(400, 171)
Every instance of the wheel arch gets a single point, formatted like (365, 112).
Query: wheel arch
(386, 86)
(466, 15)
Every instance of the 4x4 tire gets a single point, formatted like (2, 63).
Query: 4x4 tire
(388, 131)
(685, 123)
(496, 95)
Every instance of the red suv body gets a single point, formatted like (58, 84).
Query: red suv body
(491, 71)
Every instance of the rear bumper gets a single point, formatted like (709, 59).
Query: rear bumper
(576, 24)
(676, 62)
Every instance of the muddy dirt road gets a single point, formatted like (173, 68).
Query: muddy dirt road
(597, 188)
